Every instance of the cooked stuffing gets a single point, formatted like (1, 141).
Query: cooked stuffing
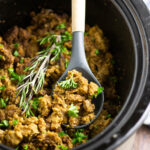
(41, 126)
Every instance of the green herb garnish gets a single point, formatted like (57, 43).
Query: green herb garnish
(35, 78)
(27, 69)
(2, 77)
(15, 76)
(16, 53)
(4, 123)
(2, 88)
(62, 147)
(67, 84)
(73, 111)
(1, 56)
(62, 133)
(108, 116)
(21, 60)
(86, 33)
(25, 147)
(78, 137)
(16, 45)
(99, 91)
(61, 26)
(66, 37)
(97, 52)
(35, 103)
(66, 63)
(15, 122)
(27, 109)
(3, 102)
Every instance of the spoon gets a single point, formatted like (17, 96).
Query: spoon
(78, 59)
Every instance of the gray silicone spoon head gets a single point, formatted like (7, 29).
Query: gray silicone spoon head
(78, 59)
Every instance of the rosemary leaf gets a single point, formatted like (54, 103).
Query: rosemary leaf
(67, 84)
(33, 82)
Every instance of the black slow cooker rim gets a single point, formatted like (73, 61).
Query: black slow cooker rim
(111, 142)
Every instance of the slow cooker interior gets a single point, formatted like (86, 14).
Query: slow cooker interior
(103, 13)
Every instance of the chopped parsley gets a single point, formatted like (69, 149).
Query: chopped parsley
(108, 116)
(16, 45)
(2, 77)
(1, 56)
(86, 33)
(21, 60)
(78, 137)
(66, 37)
(99, 91)
(61, 26)
(15, 122)
(16, 53)
(66, 63)
(25, 147)
(97, 52)
(73, 111)
(2, 88)
(35, 103)
(15, 76)
(62, 147)
(4, 123)
(3, 102)
(67, 84)
(62, 133)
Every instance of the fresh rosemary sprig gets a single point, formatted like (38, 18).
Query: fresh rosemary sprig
(67, 84)
(33, 82)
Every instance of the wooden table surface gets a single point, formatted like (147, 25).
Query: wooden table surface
(138, 141)
(142, 139)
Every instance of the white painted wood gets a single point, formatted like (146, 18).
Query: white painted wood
(78, 15)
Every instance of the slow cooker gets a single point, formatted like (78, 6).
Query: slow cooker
(126, 23)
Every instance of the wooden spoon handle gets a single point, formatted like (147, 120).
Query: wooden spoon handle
(78, 15)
